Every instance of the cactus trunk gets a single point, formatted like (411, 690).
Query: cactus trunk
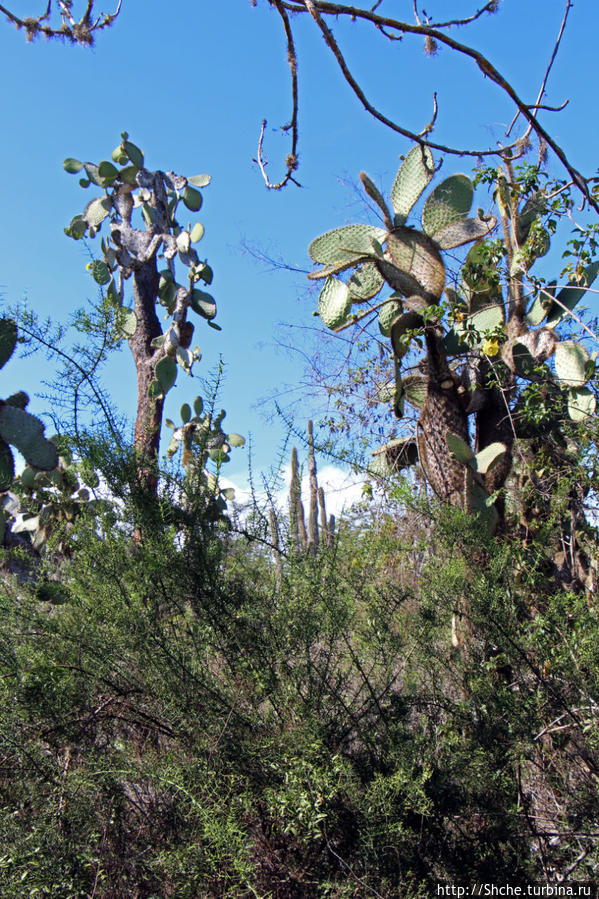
(148, 419)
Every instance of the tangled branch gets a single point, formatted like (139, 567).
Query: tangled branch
(76, 31)
(322, 11)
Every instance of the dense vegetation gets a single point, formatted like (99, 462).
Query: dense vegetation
(204, 700)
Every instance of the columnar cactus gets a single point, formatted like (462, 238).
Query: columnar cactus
(302, 538)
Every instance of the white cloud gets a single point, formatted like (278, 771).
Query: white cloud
(341, 489)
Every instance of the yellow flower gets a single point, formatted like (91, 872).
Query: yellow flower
(491, 347)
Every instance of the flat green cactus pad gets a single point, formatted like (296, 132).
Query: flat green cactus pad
(570, 363)
(581, 403)
(7, 466)
(365, 283)
(449, 203)
(419, 257)
(457, 234)
(387, 315)
(344, 244)
(414, 174)
(334, 303)
(8, 339)
(26, 433)
(571, 295)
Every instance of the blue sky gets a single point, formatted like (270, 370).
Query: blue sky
(191, 85)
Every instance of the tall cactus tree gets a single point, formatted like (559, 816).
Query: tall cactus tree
(482, 346)
(140, 209)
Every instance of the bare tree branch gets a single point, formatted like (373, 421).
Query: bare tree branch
(395, 29)
(537, 105)
(76, 31)
(291, 161)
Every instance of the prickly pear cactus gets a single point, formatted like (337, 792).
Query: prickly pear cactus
(201, 439)
(484, 350)
(137, 214)
(17, 427)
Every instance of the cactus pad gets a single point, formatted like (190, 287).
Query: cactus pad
(448, 204)
(365, 283)
(334, 303)
(166, 373)
(581, 403)
(570, 363)
(418, 256)
(203, 304)
(387, 315)
(488, 457)
(375, 194)
(7, 466)
(458, 448)
(569, 296)
(409, 321)
(415, 390)
(26, 433)
(414, 174)
(345, 244)
(459, 233)
(8, 339)
(535, 206)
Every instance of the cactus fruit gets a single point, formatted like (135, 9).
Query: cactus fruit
(334, 303)
(345, 244)
(448, 204)
(414, 174)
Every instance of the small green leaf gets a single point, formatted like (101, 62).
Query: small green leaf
(134, 154)
(192, 198)
(166, 373)
(203, 304)
(107, 171)
(72, 166)
(197, 232)
(200, 180)
(459, 448)
(100, 272)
